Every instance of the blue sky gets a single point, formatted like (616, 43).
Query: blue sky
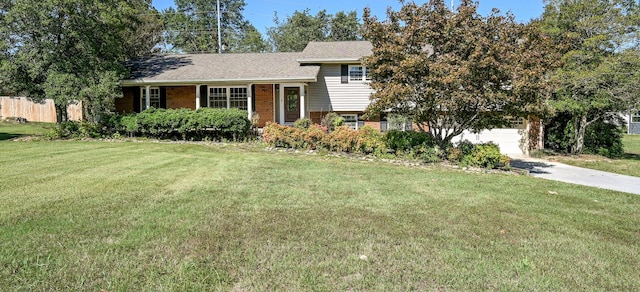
(260, 12)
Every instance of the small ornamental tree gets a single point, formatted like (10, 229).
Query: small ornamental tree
(453, 71)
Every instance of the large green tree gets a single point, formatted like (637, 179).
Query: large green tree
(454, 71)
(70, 50)
(598, 40)
(294, 33)
(192, 27)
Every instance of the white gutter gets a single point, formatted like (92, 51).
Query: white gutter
(141, 82)
(329, 60)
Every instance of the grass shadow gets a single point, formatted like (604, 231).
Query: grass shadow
(8, 136)
(631, 156)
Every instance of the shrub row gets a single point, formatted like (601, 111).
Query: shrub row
(186, 124)
(412, 145)
(183, 123)
(343, 139)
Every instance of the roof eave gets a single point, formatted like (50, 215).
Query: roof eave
(329, 60)
(142, 81)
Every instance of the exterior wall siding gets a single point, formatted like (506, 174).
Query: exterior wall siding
(264, 103)
(329, 94)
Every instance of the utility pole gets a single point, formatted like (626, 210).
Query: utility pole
(452, 5)
(219, 36)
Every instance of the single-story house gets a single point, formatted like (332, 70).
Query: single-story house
(279, 88)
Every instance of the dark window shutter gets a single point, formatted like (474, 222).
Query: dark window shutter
(344, 70)
(136, 99)
(253, 98)
(204, 96)
(163, 97)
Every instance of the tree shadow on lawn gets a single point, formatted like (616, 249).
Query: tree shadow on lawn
(631, 156)
(8, 136)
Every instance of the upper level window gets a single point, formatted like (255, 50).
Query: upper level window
(228, 97)
(154, 97)
(635, 118)
(358, 73)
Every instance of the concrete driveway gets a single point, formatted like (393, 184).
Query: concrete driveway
(577, 175)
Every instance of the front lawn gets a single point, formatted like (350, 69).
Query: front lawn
(170, 216)
(629, 164)
(10, 130)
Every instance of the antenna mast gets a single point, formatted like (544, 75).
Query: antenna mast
(219, 36)
(452, 5)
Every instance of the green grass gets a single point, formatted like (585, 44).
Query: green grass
(160, 216)
(629, 164)
(10, 130)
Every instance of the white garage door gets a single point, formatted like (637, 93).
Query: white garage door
(510, 141)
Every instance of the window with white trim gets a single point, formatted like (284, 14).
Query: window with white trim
(358, 73)
(217, 97)
(238, 98)
(350, 120)
(635, 118)
(515, 122)
(154, 97)
(228, 97)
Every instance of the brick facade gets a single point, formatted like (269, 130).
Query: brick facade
(264, 103)
(125, 104)
(181, 97)
(177, 97)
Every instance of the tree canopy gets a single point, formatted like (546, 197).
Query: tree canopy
(452, 71)
(71, 50)
(293, 34)
(192, 27)
(598, 77)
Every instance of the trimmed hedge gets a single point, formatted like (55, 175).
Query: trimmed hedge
(342, 139)
(204, 123)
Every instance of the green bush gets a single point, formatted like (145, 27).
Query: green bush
(602, 137)
(332, 121)
(397, 140)
(76, 129)
(205, 123)
(303, 123)
(485, 155)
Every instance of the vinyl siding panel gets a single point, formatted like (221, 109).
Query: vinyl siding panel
(329, 94)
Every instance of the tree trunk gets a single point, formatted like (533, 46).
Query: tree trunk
(580, 127)
(61, 113)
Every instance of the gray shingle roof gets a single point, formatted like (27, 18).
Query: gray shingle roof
(331, 52)
(203, 68)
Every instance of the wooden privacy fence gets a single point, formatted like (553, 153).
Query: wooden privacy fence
(20, 106)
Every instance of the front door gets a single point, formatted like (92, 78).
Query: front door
(291, 104)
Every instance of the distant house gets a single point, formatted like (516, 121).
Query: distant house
(280, 88)
(633, 123)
